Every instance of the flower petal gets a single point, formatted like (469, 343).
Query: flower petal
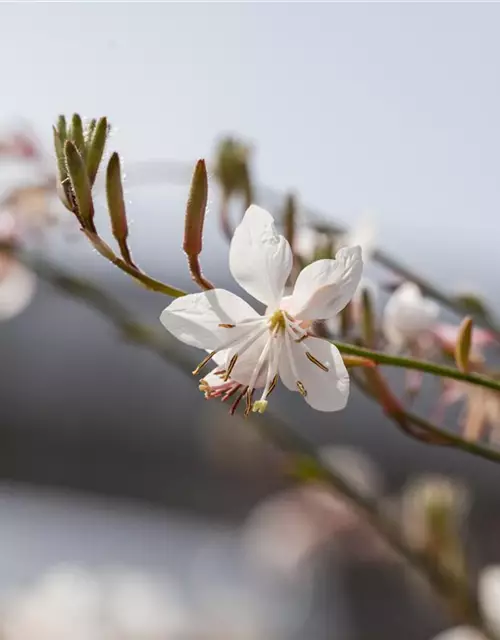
(17, 287)
(489, 594)
(196, 319)
(325, 390)
(325, 287)
(407, 314)
(259, 258)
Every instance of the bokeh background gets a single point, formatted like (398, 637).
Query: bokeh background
(112, 461)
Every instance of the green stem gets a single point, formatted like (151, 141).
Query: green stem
(418, 365)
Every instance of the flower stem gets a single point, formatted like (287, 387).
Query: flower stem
(418, 365)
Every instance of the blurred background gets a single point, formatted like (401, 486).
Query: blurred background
(127, 501)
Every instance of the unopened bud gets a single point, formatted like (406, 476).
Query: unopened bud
(77, 171)
(61, 129)
(463, 344)
(195, 211)
(76, 134)
(96, 143)
(289, 219)
(89, 131)
(231, 169)
(368, 318)
(63, 184)
(116, 205)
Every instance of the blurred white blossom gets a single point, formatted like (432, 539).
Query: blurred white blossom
(409, 318)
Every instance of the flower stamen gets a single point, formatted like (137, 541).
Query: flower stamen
(230, 367)
(249, 395)
(227, 326)
(315, 361)
(235, 404)
(273, 384)
(203, 363)
(301, 388)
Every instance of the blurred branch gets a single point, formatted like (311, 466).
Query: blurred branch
(303, 453)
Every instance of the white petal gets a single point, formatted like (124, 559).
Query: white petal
(325, 287)
(259, 258)
(17, 287)
(195, 319)
(326, 391)
(407, 314)
(489, 595)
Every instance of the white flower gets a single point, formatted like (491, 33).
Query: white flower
(489, 599)
(251, 350)
(17, 283)
(17, 287)
(408, 316)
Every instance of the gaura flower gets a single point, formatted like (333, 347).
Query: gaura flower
(408, 324)
(252, 351)
(409, 318)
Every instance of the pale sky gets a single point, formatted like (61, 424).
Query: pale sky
(393, 108)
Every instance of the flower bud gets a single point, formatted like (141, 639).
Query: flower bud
(63, 185)
(463, 344)
(367, 318)
(195, 211)
(83, 206)
(116, 205)
(76, 134)
(96, 142)
(232, 170)
(289, 219)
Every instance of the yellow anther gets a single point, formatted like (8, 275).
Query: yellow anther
(259, 406)
(301, 388)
